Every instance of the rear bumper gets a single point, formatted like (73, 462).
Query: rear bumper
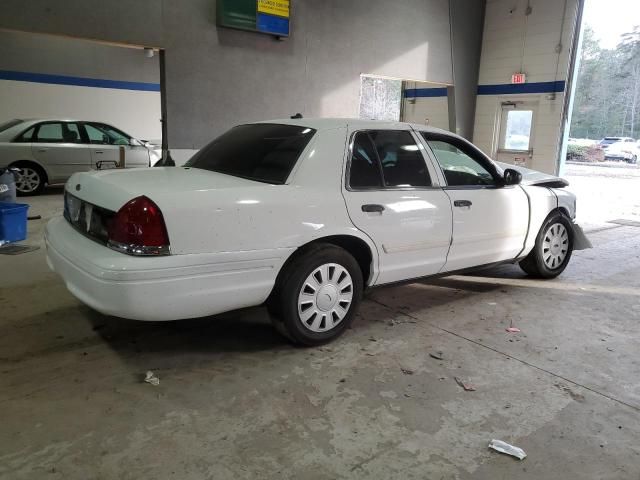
(159, 288)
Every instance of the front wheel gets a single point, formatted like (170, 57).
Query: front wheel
(553, 248)
(317, 295)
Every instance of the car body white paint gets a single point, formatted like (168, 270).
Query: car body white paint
(230, 236)
(60, 160)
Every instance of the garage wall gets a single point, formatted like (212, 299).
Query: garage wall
(42, 76)
(426, 104)
(514, 41)
(218, 77)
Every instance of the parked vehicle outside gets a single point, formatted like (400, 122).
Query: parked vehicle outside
(623, 150)
(50, 151)
(303, 215)
(606, 142)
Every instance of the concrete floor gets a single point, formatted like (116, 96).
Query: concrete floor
(235, 401)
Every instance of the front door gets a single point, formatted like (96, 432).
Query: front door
(490, 221)
(59, 146)
(392, 194)
(106, 144)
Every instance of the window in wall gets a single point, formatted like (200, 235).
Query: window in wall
(517, 129)
(459, 168)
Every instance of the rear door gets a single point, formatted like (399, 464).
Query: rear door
(106, 143)
(490, 221)
(393, 195)
(59, 146)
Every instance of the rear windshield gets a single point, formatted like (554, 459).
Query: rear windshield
(263, 152)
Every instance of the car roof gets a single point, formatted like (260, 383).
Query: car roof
(331, 123)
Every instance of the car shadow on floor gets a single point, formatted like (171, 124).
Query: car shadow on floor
(247, 330)
(250, 330)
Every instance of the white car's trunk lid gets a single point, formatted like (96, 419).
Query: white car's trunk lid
(111, 189)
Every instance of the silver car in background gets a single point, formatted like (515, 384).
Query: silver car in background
(50, 151)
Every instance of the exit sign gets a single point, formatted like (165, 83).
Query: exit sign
(518, 78)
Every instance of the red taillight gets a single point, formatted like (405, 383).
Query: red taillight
(139, 229)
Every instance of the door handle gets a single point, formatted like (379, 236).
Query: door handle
(42, 150)
(98, 151)
(372, 208)
(462, 203)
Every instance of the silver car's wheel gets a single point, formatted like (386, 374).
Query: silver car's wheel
(325, 297)
(555, 245)
(29, 180)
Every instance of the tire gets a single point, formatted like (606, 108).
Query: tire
(317, 295)
(35, 181)
(548, 259)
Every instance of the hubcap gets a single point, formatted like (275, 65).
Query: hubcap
(325, 297)
(555, 245)
(28, 180)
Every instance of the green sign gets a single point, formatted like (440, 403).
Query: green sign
(264, 16)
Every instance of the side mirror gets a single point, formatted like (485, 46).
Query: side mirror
(512, 177)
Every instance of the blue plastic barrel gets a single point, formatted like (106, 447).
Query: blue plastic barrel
(13, 222)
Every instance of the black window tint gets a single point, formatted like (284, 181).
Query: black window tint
(364, 170)
(402, 162)
(458, 166)
(263, 152)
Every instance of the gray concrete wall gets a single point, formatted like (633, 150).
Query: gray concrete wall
(24, 52)
(219, 77)
(467, 21)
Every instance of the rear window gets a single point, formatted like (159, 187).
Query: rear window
(262, 152)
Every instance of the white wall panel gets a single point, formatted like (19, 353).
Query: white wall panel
(515, 42)
(135, 112)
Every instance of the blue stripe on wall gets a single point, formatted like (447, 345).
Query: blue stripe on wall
(77, 81)
(508, 88)
(425, 92)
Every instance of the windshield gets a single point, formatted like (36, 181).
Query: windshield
(263, 152)
(11, 123)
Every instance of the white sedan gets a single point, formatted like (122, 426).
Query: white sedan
(303, 215)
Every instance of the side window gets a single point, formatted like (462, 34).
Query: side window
(58, 133)
(116, 137)
(459, 168)
(402, 162)
(26, 136)
(364, 170)
(96, 136)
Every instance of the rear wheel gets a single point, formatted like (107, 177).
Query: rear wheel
(553, 248)
(317, 295)
(30, 179)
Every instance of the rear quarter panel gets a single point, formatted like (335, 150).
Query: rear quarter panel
(267, 217)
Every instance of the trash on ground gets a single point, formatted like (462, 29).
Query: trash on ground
(467, 386)
(504, 447)
(406, 371)
(492, 303)
(151, 378)
(512, 330)
(436, 355)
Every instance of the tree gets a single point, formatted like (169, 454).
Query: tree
(607, 100)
